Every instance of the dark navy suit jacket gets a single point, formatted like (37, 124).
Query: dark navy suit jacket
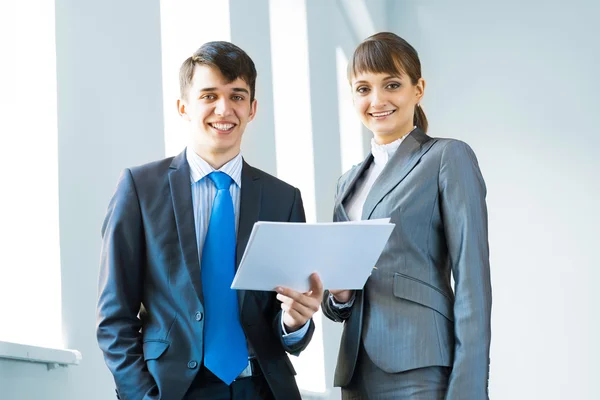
(150, 307)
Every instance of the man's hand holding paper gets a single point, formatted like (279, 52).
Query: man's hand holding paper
(300, 307)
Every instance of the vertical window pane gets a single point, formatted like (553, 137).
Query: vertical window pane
(30, 306)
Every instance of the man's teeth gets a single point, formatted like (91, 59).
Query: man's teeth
(223, 127)
(382, 114)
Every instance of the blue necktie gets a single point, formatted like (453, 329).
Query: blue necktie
(225, 351)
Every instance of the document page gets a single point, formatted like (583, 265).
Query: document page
(287, 253)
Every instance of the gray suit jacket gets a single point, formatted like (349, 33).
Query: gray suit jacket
(408, 315)
(150, 305)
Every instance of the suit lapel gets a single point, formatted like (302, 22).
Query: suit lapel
(250, 201)
(402, 162)
(340, 213)
(181, 193)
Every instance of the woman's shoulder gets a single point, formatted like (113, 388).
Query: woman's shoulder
(452, 146)
(352, 169)
(455, 153)
(349, 173)
(445, 141)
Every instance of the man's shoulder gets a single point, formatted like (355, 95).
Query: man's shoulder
(268, 179)
(151, 176)
(152, 167)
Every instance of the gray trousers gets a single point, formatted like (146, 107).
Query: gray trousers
(371, 383)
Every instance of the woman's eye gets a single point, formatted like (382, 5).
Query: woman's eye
(393, 86)
(362, 89)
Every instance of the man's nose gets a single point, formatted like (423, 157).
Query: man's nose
(223, 107)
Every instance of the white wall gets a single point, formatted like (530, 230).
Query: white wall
(519, 82)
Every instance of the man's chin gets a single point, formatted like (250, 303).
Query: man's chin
(226, 146)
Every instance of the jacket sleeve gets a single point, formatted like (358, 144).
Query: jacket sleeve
(120, 289)
(464, 215)
(336, 314)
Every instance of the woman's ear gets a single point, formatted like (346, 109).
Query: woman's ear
(420, 89)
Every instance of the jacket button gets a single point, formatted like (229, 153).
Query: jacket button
(192, 364)
(198, 316)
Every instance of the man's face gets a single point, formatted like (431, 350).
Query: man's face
(217, 112)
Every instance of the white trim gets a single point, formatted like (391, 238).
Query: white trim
(310, 395)
(44, 355)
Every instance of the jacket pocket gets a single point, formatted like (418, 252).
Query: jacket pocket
(409, 288)
(153, 349)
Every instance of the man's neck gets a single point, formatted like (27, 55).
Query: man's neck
(215, 159)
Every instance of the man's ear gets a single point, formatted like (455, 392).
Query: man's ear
(182, 109)
(253, 107)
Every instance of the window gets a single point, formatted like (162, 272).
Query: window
(29, 231)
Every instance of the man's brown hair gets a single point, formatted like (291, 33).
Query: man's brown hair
(229, 59)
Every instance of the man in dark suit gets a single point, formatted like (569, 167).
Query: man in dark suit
(169, 325)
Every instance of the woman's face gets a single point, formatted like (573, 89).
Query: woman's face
(386, 103)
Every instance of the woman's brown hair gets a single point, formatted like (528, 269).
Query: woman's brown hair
(386, 52)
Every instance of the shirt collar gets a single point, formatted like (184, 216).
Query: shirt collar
(383, 152)
(199, 168)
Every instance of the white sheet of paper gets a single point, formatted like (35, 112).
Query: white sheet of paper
(287, 253)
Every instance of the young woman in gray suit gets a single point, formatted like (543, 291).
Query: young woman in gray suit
(408, 334)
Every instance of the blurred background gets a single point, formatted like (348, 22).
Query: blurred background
(88, 88)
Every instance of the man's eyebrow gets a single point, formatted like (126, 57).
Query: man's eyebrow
(235, 89)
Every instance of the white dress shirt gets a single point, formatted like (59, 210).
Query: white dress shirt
(203, 196)
(381, 155)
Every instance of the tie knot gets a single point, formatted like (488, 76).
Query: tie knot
(220, 179)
